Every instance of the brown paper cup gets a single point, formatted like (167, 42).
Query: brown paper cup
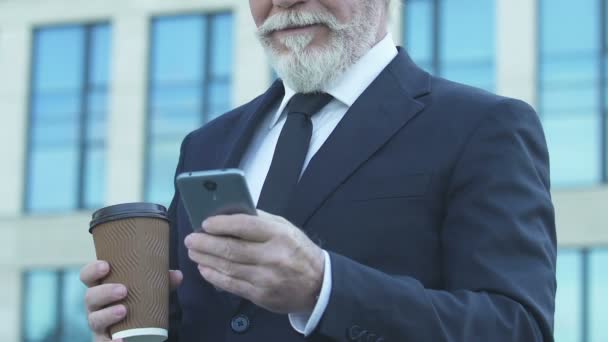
(134, 239)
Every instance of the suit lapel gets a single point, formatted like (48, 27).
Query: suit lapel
(247, 124)
(386, 106)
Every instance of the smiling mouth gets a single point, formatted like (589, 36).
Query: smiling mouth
(294, 29)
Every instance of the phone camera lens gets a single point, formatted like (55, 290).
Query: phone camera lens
(210, 185)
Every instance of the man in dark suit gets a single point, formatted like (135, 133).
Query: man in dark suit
(394, 205)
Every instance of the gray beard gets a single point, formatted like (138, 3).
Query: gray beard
(306, 69)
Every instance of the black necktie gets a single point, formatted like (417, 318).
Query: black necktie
(290, 152)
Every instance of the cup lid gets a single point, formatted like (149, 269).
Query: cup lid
(127, 210)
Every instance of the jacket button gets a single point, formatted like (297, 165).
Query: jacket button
(240, 324)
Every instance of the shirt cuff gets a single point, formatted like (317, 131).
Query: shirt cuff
(306, 323)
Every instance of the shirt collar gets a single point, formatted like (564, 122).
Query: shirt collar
(349, 86)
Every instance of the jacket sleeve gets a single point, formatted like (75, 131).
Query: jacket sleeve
(498, 246)
(175, 313)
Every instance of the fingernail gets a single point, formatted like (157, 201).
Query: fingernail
(119, 311)
(205, 224)
(188, 241)
(119, 291)
(103, 267)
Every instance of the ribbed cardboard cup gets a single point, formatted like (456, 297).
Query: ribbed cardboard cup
(134, 239)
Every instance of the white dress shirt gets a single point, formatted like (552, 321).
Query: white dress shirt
(258, 157)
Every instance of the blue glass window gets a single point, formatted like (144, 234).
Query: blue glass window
(190, 84)
(73, 319)
(568, 303)
(581, 305)
(604, 90)
(569, 94)
(66, 161)
(598, 294)
(54, 307)
(434, 31)
(40, 305)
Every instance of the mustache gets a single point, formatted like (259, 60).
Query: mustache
(295, 19)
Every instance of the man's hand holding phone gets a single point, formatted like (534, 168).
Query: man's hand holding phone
(262, 258)
(252, 254)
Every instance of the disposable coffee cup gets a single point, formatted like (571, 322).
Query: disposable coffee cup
(134, 239)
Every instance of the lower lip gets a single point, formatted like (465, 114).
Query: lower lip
(297, 30)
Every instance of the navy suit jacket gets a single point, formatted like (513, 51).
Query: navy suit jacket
(433, 201)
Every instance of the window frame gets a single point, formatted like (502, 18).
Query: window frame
(205, 81)
(585, 254)
(438, 63)
(83, 114)
(602, 60)
(60, 273)
(603, 68)
(436, 20)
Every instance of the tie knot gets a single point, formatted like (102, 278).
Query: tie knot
(308, 104)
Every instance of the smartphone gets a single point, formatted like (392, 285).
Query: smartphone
(215, 192)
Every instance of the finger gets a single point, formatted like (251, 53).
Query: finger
(100, 296)
(264, 215)
(93, 272)
(231, 269)
(175, 278)
(236, 250)
(246, 227)
(100, 321)
(235, 286)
